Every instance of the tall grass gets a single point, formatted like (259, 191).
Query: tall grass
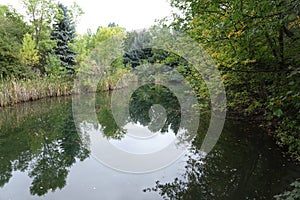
(14, 91)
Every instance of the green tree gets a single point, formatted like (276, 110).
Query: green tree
(108, 41)
(64, 33)
(83, 46)
(244, 32)
(41, 15)
(12, 30)
(29, 54)
(255, 45)
(105, 33)
(245, 38)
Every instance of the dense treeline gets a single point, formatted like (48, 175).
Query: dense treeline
(256, 46)
(41, 45)
(40, 53)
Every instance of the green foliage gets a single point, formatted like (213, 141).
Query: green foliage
(83, 46)
(41, 15)
(29, 54)
(89, 42)
(107, 42)
(255, 45)
(105, 33)
(135, 48)
(63, 33)
(245, 32)
(12, 30)
(150, 61)
(290, 195)
(53, 66)
(283, 109)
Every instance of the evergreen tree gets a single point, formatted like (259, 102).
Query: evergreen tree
(64, 32)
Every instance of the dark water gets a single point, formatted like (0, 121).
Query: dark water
(44, 156)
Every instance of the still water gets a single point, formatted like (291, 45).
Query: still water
(45, 155)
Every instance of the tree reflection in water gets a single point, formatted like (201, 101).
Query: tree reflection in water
(147, 96)
(243, 165)
(141, 102)
(40, 139)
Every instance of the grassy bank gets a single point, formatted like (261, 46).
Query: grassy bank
(13, 91)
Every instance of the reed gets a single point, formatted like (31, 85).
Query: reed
(14, 91)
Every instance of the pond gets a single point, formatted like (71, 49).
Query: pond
(46, 154)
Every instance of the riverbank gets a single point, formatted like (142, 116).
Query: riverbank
(14, 91)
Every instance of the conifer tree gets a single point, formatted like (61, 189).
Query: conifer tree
(64, 32)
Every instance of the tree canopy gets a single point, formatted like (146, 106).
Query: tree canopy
(12, 30)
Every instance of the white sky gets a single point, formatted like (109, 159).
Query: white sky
(130, 14)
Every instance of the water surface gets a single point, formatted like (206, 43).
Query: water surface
(42, 156)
